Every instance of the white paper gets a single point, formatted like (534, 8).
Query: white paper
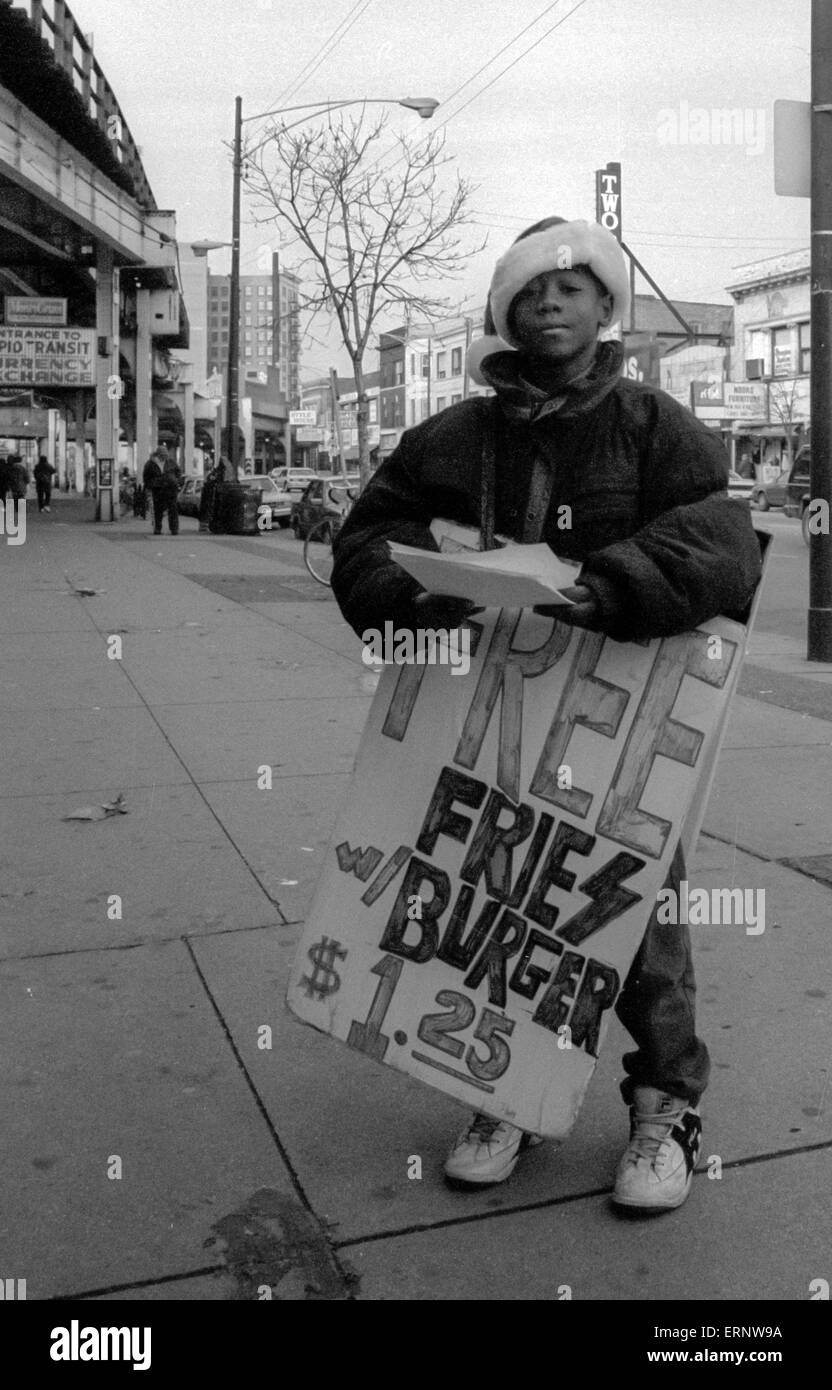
(451, 537)
(517, 576)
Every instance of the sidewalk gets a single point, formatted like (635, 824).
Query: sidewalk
(156, 1149)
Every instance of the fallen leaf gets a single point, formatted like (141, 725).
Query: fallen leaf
(115, 807)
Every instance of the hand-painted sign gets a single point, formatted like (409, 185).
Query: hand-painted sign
(500, 852)
(47, 356)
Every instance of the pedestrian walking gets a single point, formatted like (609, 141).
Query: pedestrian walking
(663, 548)
(18, 477)
(6, 476)
(161, 482)
(208, 499)
(171, 483)
(44, 473)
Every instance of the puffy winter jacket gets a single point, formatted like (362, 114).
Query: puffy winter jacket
(663, 545)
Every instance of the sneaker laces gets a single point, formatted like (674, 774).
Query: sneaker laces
(646, 1145)
(483, 1126)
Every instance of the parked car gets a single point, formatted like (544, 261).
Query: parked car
(326, 496)
(740, 488)
(293, 480)
(189, 496)
(271, 494)
(797, 488)
(765, 495)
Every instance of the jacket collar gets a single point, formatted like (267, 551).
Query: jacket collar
(522, 400)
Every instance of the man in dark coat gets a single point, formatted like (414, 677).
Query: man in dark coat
(162, 485)
(662, 548)
(208, 499)
(44, 473)
(6, 476)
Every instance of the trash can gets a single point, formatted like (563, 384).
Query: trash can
(236, 509)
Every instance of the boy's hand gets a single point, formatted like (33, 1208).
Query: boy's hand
(441, 610)
(582, 612)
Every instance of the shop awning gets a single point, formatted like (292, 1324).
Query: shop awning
(762, 431)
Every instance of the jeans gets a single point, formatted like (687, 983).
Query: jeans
(656, 1007)
(165, 502)
(43, 487)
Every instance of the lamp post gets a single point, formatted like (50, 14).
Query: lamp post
(425, 106)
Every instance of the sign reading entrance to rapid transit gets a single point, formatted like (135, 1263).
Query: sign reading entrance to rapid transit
(35, 356)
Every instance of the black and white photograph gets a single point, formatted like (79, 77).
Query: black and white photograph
(421, 889)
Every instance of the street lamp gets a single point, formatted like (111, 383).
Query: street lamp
(425, 106)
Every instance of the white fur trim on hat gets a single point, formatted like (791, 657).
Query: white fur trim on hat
(479, 350)
(560, 247)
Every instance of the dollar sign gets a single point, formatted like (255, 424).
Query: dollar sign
(324, 979)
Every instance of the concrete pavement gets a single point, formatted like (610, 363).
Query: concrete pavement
(156, 1148)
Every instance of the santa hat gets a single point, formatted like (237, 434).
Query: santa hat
(559, 245)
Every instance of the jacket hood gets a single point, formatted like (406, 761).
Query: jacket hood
(505, 372)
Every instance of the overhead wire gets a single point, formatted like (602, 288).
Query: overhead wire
(501, 51)
(325, 51)
(496, 78)
(514, 62)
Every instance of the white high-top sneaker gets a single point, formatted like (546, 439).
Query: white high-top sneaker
(487, 1151)
(656, 1169)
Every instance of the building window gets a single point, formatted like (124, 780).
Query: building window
(456, 361)
(398, 372)
(455, 400)
(413, 365)
(781, 352)
(424, 408)
(440, 402)
(373, 412)
(441, 365)
(425, 365)
(805, 335)
(413, 412)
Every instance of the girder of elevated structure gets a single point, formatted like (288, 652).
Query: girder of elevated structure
(38, 161)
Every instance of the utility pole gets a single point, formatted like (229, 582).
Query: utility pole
(820, 545)
(336, 420)
(233, 406)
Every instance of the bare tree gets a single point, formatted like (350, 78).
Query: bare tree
(376, 235)
(784, 399)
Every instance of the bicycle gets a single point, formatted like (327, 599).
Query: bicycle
(317, 547)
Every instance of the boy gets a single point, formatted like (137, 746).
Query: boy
(663, 548)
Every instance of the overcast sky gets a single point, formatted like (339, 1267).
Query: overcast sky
(600, 87)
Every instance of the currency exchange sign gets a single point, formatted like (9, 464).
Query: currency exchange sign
(41, 356)
(500, 852)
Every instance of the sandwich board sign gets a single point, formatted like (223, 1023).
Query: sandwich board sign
(501, 849)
